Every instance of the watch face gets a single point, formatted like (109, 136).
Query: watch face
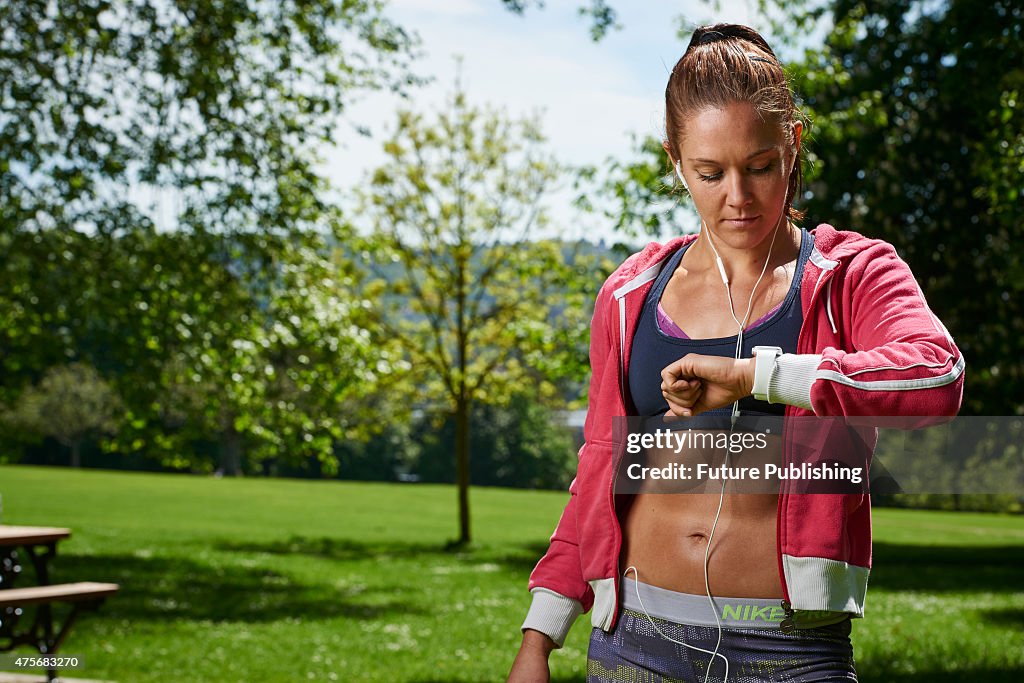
(776, 349)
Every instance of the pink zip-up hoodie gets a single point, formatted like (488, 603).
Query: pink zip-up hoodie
(869, 346)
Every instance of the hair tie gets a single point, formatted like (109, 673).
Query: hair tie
(710, 37)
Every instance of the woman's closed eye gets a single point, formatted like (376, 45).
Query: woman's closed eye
(710, 178)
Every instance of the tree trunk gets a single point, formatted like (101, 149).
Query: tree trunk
(462, 395)
(231, 452)
(462, 467)
(76, 453)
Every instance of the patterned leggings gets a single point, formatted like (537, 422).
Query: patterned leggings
(633, 652)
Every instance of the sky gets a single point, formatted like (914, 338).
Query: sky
(591, 96)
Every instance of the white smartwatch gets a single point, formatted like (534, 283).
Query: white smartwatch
(764, 367)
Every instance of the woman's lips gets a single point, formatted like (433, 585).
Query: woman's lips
(742, 221)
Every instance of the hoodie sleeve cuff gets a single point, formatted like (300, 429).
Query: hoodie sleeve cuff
(552, 614)
(791, 382)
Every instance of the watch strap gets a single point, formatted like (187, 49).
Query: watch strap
(764, 366)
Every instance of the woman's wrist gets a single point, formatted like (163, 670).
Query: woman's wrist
(746, 375)
(535, 640)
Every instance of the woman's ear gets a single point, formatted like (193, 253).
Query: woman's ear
(675, 164)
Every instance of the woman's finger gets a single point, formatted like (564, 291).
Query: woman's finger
(686, 398)
(684, 390)
(680, 385)
(678, 404)
(676, 371)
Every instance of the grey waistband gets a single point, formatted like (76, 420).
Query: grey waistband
(687, 608)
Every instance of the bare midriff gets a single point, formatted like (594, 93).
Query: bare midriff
(665, 536)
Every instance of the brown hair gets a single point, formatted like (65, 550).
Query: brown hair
(724, 64)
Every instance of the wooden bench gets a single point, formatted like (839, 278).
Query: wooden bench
(82, 595)
(61, 592)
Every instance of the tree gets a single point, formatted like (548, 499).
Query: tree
(158, 173)
(479, 308)
(920, 140)
(633, 194)
(286, 381)
(158, 178)
(522, 444)
(222, 102)
(69, 404)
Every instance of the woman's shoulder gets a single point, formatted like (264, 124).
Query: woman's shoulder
(861, 258)
(637, 263)
(846, 245)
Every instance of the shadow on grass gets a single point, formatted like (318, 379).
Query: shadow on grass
(526, 558)
(159, 589)
(938, 569)
(340, 549)
(518, 559)
(1012, 617)
(934, 569)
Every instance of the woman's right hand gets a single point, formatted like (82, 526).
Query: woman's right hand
(531, 665)
(696, 383)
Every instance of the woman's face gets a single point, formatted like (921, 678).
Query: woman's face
(737, 169)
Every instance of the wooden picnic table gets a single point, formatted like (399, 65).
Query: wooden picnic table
(40, 545)
(19, 535)
(38, 542)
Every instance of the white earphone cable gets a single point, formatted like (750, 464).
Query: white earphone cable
(735, 414)
(750, 302)
(661, 633)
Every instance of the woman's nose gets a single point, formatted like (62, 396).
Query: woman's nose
(738, 190)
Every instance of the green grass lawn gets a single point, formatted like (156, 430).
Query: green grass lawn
(280, 580)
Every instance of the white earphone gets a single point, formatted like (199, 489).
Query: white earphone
(679, 172)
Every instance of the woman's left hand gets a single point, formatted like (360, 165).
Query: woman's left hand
(696, 383)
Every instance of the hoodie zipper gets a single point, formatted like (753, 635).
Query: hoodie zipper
(646, 276)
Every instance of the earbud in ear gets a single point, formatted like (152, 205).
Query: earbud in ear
(679, 172)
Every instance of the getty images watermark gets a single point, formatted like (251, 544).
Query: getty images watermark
(819, 455)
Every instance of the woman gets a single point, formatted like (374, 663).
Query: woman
(753, 317)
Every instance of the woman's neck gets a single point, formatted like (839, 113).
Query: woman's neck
(780, 246)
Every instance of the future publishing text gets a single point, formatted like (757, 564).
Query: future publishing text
(704, 472)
